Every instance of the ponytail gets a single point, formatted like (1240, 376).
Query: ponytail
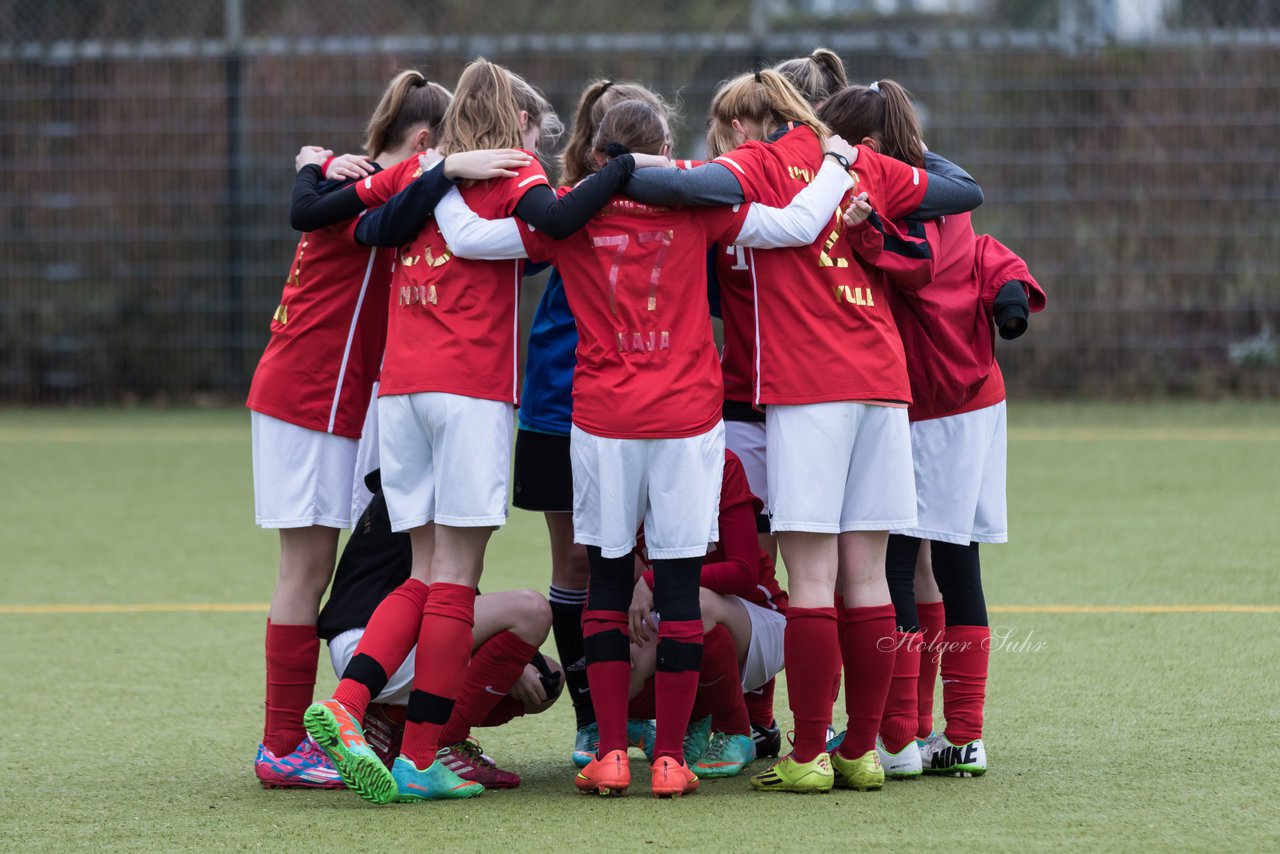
(817, 76)
(882, 111)
(903, 138)
(576, 162)
(766, 98)
(408, 100)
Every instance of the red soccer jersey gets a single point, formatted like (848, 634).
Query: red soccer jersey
(737, 566)
(636, 281)
(327, 334)
(454, 323)
(737, 310)
(946, 320)
(822, 329)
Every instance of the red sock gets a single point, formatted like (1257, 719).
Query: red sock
(506, 710)
(811, 651)
(933, 622)
(444, 648)
(838, 681)
(964, 681)
(292, 652)
(760, 704)
(720, 682)
(641, 706)
(898, 725)
(609, 679)
(494, 668)
(868, 656)
(392, 631)
(674, 689)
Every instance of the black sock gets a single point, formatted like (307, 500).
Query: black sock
(566, 627)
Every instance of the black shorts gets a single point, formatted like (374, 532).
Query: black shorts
(543, 478)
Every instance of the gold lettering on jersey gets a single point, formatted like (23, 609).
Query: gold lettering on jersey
(282, 314)
(410, 260)
(853, 295)
(418, 295)
(800, 173)
(433, 261)
(641, 342)
(417, 173)
(825, 260)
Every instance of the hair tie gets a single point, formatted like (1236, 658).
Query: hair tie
(875, 87)
(759, 79)
(605, 87)
(616, 149)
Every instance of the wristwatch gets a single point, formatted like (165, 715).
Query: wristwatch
(840, 158)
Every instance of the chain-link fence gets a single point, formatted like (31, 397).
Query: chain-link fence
(1127, 150)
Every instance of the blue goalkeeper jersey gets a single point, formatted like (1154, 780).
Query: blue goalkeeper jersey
(546, 404)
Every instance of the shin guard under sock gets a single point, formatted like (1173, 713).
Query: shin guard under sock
(868, 654)
(386, 643)
(812, 655)
(440, 665)
(292, 652)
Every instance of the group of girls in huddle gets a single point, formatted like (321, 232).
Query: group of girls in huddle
(819, 259)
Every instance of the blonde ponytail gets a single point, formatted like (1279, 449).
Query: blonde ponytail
(765, 98)
(484, 113)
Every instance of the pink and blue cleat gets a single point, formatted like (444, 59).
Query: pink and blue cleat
(306, 768)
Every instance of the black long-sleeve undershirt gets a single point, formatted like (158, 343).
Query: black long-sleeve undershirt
(560, 217)
(399, 220)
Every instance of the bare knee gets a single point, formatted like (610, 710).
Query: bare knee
(530, 617)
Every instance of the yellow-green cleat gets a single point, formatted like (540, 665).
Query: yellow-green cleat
(788, 775)
(864, 773)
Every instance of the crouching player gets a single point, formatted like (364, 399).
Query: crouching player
(744, 620)
(507, 676)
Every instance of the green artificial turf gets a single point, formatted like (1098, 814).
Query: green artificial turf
(1120, 730)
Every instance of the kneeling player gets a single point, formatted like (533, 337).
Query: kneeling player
(507, 676)
(744, 618)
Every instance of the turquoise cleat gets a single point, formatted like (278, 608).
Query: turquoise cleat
(433, 783)
(726, 755)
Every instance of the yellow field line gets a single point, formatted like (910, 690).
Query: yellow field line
(251, 608)
(1134, 609)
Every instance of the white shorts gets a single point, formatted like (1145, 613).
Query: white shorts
(960, 477)
(446, 459)
(301, 477)
(366, 458)
(764, 655)
(671, 485)
(747, 440)
(842, 466)
(396, 693)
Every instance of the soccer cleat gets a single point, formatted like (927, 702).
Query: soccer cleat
(788, 775)
(384, 731)
(306, 768)
(862, 774)
(696, 738)
(586, 744)
(833, 741)
(768, 739)
(726, 755)
(903, 765)
(433, 783)
(340, 737)
(938, 755)
(671, 779)
(641, 734)
(467, 761)
(607, 775)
